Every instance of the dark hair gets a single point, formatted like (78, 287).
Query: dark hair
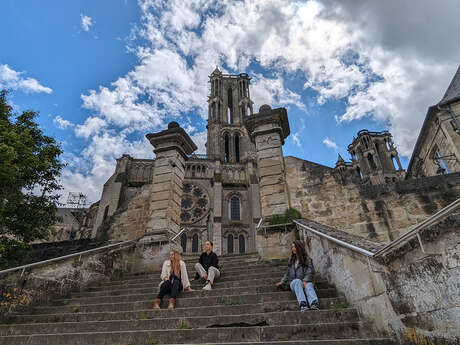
(210, 242)
(301, 254)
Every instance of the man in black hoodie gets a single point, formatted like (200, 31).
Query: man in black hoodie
(208, 266)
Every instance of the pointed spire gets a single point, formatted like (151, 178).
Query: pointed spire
(216, 71)
(453, 91)
(340, 159)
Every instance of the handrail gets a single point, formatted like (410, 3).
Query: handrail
(177, 235)
(23, 267)
(333, 239)
(413, 232)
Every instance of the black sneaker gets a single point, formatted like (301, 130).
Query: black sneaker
(303, 306)
(314, 306)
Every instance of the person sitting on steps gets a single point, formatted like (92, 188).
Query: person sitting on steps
(299, 275)
(173, 279)
(208, 266)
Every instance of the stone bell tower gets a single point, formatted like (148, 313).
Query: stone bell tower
(229, 103)
(375, 157)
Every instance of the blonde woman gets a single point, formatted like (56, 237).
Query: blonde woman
(174, 279)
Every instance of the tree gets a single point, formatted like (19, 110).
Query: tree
(29, 172)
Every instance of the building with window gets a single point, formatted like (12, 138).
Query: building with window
(437, 150)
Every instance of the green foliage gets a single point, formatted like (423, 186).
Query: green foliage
(340, 306)
(117, 274)
(228, 302)
(29, 172)
(185, 325)
(289, 215)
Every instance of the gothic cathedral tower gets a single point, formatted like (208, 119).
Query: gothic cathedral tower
(229, 103)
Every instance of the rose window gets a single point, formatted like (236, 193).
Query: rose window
(194, 203)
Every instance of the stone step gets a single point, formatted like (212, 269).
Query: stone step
(261, 289)
(318, 331)
(216, 310)
(196, 284)
(325, 303)
(216, 290)
(273, 273)
(224, 258)
(224, 273)
(367, 341)
(243, 320)
(227, 268)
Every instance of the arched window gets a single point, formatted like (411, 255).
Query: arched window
(242, 244)
(183, 242)
(371, 161)
(227, 148)
(237, 148)
(230, 105)
(395, 163)
(235, 208)
(195, 243)
(230, 244)
(106, 212)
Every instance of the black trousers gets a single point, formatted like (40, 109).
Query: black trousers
(171, 289)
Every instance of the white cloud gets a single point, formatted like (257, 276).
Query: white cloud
(88, 171)
(61, 123)
(329, 143)
(86, 22)
(11, 79)
(272, 91)
(91, 126)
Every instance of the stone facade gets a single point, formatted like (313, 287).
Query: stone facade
(437, 150)
(244, 176)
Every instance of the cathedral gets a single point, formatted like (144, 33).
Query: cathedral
(228, 194)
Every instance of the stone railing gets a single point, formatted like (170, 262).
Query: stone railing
(202, 156)
(197, 169)
(234, 174)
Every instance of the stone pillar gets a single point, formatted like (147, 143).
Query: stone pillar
(268, 129)
(171, 148)
(217, 212)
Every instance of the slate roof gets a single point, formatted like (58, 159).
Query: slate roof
(342, 235)
(453, 91)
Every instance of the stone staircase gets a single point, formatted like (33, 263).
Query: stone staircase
(244, 307)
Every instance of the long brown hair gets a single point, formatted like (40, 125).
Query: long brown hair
(175, 264)
(300, 255)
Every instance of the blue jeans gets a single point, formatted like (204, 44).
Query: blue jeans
(297, 286)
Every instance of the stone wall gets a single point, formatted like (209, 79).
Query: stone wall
(37, 285)
(381, 213)
(409, 294)
(272, 244)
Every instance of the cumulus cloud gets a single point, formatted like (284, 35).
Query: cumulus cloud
(88, 171)
(61, 123)
(86, 22)
(368, 56)
(11, 79)
(92, 126)
(329, 143)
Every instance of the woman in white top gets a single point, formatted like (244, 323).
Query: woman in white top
(174, 279)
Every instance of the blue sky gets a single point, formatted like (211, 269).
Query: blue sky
(103, 73)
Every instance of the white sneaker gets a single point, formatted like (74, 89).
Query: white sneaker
(207, 287)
